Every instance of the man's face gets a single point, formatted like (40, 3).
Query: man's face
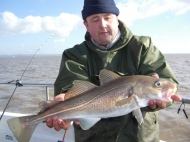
(102, 27)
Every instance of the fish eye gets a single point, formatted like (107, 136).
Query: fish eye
(158, 83)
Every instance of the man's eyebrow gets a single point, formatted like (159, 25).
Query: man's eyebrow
(107, 14)
(96, 16)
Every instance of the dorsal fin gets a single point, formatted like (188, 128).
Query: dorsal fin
(106, 76)
(80, 86)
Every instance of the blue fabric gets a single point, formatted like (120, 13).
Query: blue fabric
(99, 6)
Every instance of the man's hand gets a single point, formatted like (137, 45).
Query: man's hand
(176, 98)
(156, 104)
(57, 123)
(161, 104)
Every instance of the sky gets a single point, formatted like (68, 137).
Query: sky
(51, 26)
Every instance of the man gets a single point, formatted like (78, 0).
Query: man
(109, 44)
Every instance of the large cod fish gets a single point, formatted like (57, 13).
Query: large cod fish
(88, 103)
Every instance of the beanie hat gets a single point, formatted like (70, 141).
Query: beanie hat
(99, 6)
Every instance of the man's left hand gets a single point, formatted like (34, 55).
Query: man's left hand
(161, 104)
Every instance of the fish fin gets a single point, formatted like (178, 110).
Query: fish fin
(106, 76)
(21, 131)
(88, 123)
(80, 86)
(137, 90)
(44, 105)
(138, 115)
(124, 101)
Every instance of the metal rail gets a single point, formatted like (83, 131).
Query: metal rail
(47, 86)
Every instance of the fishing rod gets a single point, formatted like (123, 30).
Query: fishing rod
(187, 101)
(183, 102)
(18, 82)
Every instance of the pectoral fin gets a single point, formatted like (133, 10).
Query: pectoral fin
(124, 101)
(88, 123)
(138, 115)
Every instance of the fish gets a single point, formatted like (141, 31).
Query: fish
(88, 103)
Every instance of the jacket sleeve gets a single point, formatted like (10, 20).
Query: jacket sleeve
(72, 68)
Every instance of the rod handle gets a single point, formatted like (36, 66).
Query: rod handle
(187, 101)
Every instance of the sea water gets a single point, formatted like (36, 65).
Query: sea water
(174, 127)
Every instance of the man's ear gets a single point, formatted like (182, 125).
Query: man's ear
(86, 24)
(117, 20)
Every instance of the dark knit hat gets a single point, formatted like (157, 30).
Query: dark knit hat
(99, 6)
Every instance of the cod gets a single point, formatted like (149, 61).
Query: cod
(87, 103)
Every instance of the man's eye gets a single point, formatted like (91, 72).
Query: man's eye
(108, 18)
(95, 20)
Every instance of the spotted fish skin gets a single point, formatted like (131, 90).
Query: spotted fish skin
(88, 103)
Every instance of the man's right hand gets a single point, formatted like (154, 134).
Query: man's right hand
(56, 122)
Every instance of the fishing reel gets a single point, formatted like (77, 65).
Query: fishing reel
(17, 83)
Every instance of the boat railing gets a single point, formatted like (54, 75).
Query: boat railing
(18, 83)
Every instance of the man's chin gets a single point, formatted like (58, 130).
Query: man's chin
(105, 41)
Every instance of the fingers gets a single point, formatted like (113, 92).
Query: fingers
(156, 104)
(57, 123)
(160, 104)
(49, 122)
(77, 122)
(63, 124)
(176, 98)
(155, 75)
(60, 97)
(151, 104)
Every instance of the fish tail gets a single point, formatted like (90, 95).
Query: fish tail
(20, 129)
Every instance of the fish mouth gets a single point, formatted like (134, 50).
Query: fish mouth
(166, 95)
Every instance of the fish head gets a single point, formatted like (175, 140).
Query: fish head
(154, 88)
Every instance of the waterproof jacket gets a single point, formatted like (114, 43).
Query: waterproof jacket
(130, 55)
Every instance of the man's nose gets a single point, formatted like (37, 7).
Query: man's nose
(103, 23)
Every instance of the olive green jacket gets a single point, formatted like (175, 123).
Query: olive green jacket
(130, 55)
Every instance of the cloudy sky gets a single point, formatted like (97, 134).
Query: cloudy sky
(54, 25)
